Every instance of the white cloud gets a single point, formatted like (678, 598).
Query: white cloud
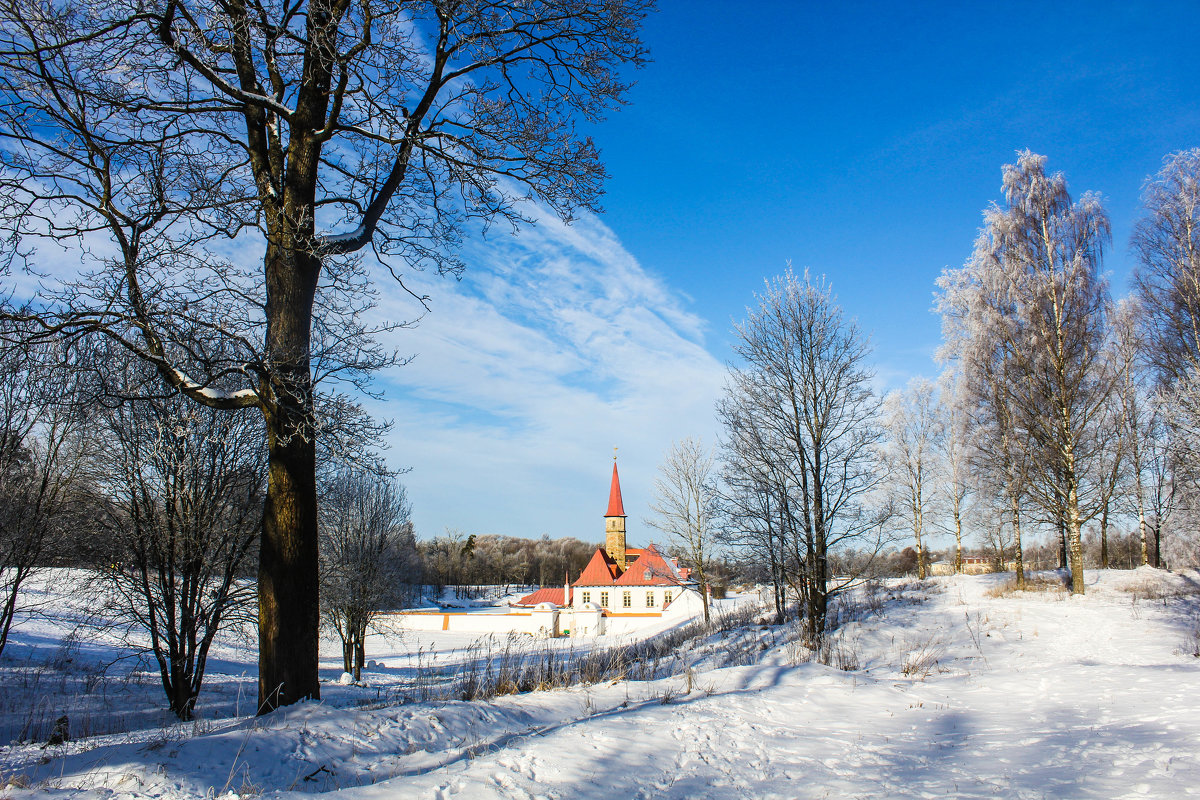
(556, 346)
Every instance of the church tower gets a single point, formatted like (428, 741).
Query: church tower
(614, 522)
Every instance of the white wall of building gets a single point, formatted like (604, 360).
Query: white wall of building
(685, 605)
(642, 599)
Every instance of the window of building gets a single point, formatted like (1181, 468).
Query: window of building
(604, 599)
(587, 597)
(648, 574)
(627, 600)
(666, 599)
(649, 599)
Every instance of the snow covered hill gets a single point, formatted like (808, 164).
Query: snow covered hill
(959, 689)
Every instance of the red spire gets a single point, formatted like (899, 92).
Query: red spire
(615, 508)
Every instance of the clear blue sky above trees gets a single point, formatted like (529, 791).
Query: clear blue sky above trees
(861, 140)
(864, 139)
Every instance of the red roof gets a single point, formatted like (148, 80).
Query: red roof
(600, 571)
(651, 569)
(550, 594)
(615, 507)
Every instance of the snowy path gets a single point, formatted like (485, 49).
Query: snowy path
(1077, 698)
(1033, 696)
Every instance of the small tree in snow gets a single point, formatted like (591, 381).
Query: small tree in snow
(957, 482)
(804, 419)
(916, 432)
(41, 426)
(368, 556)
(182, 502)
(685, 506)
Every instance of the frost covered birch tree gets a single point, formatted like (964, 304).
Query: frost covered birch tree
(1133, 414)
(1036, 268)
(1167, 243)
(916, 435)
(957, 484)
(180, 138)
(999, 456)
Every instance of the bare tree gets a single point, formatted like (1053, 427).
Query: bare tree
(368, 556)
(755, 496)
(957, 483)
(181, 503)
(981, 365)
(685, 506)
(1134, 419)
(1113, 455)
(806, 388)
(916, 436)
(41, 464)
(314, 131)
(997, 529)
(1163, 495)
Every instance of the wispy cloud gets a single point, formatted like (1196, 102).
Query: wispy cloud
(556, 346)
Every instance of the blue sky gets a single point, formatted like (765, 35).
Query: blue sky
(860, 140)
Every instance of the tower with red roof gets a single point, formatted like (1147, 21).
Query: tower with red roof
(619, 580)
(614, 522)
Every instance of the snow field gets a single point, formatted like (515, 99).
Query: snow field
(963, 690)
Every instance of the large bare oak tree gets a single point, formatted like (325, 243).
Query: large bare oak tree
(175, 139)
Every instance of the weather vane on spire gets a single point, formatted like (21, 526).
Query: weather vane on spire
(614, 455)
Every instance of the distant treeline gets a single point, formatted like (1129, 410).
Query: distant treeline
(456, 559)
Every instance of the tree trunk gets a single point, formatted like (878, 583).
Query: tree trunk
(1157, 544)
(1074, 540)
(776, 581)
(704, 593)
(182, 700)
(1020, 556)
(1142, 534)
(1104, 537)
(920, 557)
(288, 593)
(958, 557)
(1062, 544)
(820, 586)
(10, 606)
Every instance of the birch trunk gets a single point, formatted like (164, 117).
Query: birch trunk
(1020, 556)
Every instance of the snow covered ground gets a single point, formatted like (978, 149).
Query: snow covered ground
(66, 659)
(958, 689)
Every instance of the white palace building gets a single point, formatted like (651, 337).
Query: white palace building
(622, 590)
